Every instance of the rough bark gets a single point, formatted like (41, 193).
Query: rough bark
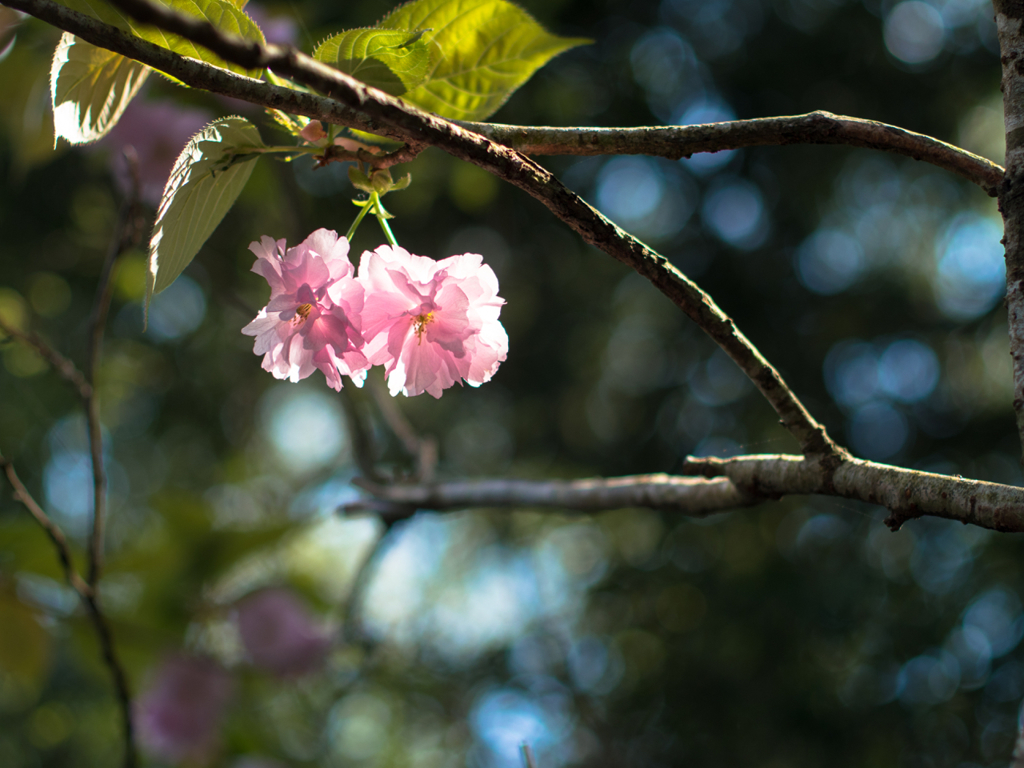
(1009, 19)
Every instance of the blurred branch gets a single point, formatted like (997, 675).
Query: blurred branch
(53, 530)
(694, 497)
(725, 484)
(676, 142)
(529, 761)
(1017, 757)
(89, 598)
(127, 234)
(360, 582)
(67, 369)
(423, 449)
(357, 105)
(1011, 192)
(363, 449)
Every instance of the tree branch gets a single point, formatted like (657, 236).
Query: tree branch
(88, 596)
(53, 530)
(127, 234)
(67, 369)
(727, 484)
(692, 496)
(683, 141)
(422, 448)
(357, 105)
(1009, 16)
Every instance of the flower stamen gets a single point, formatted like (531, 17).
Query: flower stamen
(301, 313)
(421, 322)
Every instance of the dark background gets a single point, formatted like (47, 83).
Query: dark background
(797, 633)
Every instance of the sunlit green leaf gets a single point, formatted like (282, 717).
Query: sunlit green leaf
(90, 88)
(223, 14)
(395, 61)
(206, 180)
(482, 51)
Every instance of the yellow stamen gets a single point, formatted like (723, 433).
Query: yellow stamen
(301, 313)
(421, 322)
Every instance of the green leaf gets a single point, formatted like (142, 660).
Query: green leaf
(223, 14)
(90, 88)
(206, 180)
(482, 51)
(395, 61)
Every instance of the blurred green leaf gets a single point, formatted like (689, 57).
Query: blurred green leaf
(395, 61)
(24, 645)
(483, 50)
(90, 88)
(204, 183)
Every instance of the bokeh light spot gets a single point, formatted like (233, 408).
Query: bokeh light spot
(177, 311)
(971, 269)
(304, 426)
(734, 211)
(829, 261)
(914, 32)
(908, 370)
(878, 431)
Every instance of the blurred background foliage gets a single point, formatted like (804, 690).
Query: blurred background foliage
(799, 633)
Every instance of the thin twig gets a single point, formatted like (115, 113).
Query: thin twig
(423, 449)
(529, 761)
(363, 449)
(53, 530)
(127, 234)
(676, 142)
(67, 369)
(90, 600)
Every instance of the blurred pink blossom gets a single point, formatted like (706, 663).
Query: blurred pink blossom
(178, 716)
(431, 323)
(159, 132)
(304, 326)
(279, 633)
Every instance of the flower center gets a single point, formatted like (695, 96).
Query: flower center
(420, 322)
(301, 313)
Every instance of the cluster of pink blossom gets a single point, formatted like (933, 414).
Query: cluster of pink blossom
(430, 323)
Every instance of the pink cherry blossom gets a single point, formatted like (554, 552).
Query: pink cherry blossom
(179, 713)
(279, 633)
(304, 326)
(431, 323)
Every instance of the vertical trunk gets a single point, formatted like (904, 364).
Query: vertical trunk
(1010, 25)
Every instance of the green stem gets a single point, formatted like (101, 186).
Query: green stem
(355, 224)
(378, 211)
(311, 150)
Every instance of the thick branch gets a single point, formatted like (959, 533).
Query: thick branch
(727, 484)
(372, 110)
(87, 594)
(1009, 18)
(683, 141)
